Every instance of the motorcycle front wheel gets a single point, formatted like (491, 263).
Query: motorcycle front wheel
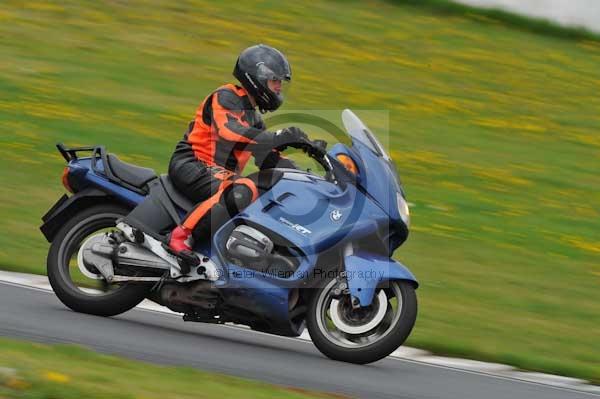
(366, 334)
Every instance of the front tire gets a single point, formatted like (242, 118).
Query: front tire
(365, 335)
(65, 278)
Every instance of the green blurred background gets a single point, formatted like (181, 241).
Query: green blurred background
(495, 131)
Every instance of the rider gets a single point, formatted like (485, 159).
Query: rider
(226, 131)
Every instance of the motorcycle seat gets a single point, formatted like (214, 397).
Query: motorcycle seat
(175, 196)
(136, 176)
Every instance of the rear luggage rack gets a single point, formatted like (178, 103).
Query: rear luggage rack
(98, 152)
(70, 154)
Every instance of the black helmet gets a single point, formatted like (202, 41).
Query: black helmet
(255, 67)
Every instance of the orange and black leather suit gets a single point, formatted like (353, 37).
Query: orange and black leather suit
(207, 162)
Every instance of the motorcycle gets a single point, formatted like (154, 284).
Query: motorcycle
(311, 252)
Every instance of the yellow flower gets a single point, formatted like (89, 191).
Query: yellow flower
(56, 377)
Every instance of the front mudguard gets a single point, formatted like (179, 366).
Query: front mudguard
(365, 271)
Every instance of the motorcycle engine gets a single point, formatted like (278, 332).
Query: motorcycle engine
(248, 244)
(249, 248)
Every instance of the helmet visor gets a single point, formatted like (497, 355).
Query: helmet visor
(279, 87)
(264, 73)
(275, 83)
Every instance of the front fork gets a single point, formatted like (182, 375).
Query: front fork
(365, 271)
(343, 286)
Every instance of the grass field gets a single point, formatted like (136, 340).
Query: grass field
(70, 372)
(495, 133)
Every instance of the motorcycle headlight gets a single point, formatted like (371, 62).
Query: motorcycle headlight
(403, 209)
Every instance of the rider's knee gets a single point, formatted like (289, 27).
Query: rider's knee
(237, 197)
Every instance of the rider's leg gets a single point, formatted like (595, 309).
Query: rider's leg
(179, 239)
(194, 179)
(199, 183)
(234, 198)
(230, 195)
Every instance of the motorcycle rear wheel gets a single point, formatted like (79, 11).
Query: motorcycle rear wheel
(70, 285)
(365, 335)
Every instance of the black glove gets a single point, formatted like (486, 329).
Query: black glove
(319, 148)
(290, 136)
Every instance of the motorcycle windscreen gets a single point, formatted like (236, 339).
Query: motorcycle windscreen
(378, 174)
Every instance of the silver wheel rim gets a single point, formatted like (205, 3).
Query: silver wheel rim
(379, 319)
(93, 286)
(84, 270)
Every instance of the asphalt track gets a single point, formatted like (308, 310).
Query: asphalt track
(37, 315)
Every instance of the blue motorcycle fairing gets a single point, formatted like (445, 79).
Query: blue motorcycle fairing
(370, 169)
(265, 298)
(299, 209)
(365, 271)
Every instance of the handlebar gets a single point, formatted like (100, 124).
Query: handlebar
(317, 150)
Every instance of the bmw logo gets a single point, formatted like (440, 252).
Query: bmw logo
(336, 215)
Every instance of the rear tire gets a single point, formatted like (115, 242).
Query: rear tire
(66, 243)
